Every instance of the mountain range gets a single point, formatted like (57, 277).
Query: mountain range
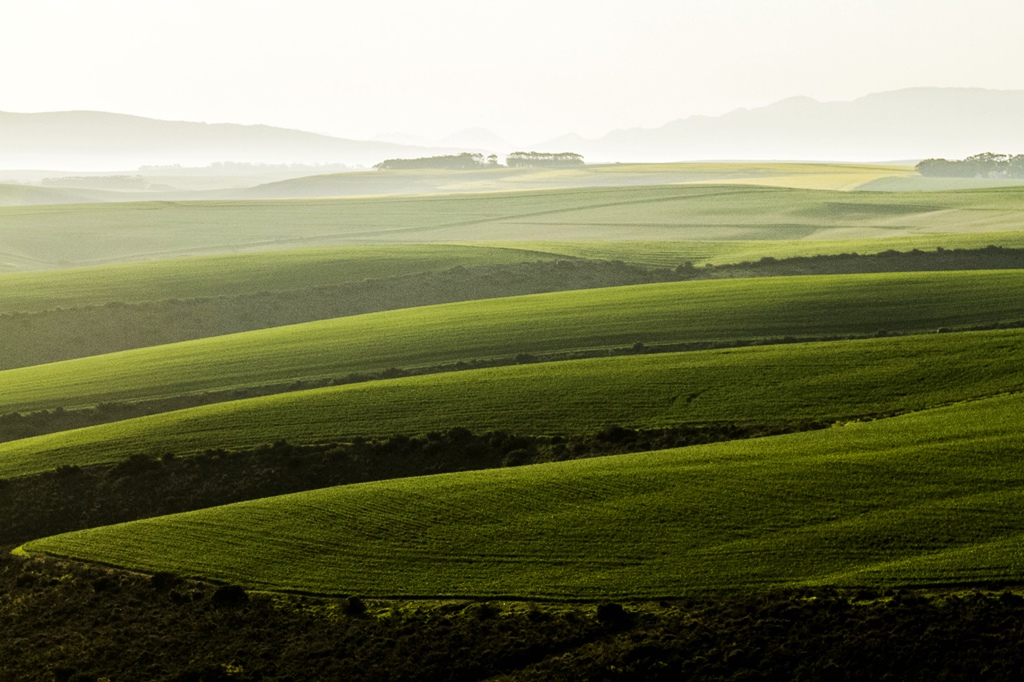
(914, 123)
(908, 124)
(96, 140)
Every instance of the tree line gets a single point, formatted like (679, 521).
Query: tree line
(542, 159)
(463, 161)
(986, 165)
(469, 161)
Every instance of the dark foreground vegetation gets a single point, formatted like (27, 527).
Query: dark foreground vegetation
(74, 498)
(68, 622)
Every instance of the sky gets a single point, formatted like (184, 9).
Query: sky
(527, 70)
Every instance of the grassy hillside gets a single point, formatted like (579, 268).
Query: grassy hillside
(764, 385)
(65, 333)
(38, 236)
(929, 498)
(234, 274)
(566, 321)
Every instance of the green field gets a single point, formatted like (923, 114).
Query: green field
(196, 186)
(724, 310)
(918, 481)
(760, 385)
(669, 254)
(231, 275)
(42, 237)
(918, 183)
(795, 175)
(929, 498)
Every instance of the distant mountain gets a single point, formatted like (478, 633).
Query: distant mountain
(88, 140)
(914, 123)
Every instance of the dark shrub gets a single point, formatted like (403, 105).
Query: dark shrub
(230, 595)
(354, 606)
(517, 457)
(164, 581)
(612, 615)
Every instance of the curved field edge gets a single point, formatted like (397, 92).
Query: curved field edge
(699, 311)
(759, 385)
(929, 498)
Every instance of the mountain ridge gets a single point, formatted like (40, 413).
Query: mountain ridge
(84, 139)
(911, 123)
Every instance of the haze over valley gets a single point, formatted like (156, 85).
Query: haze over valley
(906, 125)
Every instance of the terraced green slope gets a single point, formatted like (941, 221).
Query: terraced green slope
(234, 274)
(929, 498)
(762, 385)
(107, 233)
(565, 321)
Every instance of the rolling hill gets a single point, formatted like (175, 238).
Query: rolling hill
(38, 237)
(563, 322)
(931, 498)
(772, 386)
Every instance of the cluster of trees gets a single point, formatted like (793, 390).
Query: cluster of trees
(541, 159)
(463, 161)
(987, 165)
(468, 161)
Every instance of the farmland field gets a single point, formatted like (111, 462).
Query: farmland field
(679, 312)
(795, 175)
(182, 187)
(929, 498)
(44, 237)
(207, 276)
(672, 253)
(834, 381)
(472, 389)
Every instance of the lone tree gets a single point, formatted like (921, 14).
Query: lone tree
(543, 160)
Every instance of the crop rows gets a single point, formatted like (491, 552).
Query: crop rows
(236, 274)
(37, 236)
(761, 385)
(916, 499)
(565, 321)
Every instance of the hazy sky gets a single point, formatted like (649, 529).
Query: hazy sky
(528, 70)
